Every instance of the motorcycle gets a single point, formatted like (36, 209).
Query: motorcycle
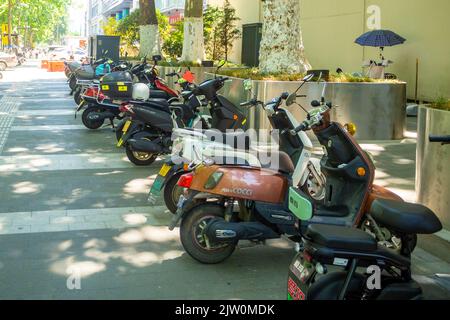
(228, 203)
(388, 274)
(299, 148)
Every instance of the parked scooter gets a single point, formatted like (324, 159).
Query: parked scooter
(101, 108)
(150, 133)
(85, 72)
(229, 203)
(70, 67)
(351, 248)
(194, 147)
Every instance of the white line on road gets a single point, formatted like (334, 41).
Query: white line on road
(52, 162)
(57, 112)
(53, 128)
(84, 219)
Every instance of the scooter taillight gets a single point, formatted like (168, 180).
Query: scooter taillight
(185, 180)
(101, 96)
(126, 108)
(91, 92)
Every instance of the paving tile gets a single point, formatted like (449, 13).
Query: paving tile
(87, 226)
(50, 228)
(66, 220)
(15, 229)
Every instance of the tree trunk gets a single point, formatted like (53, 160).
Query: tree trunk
(148, 30)
(193, 43)
(282, 48)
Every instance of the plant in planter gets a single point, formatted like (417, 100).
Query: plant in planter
(441, 103)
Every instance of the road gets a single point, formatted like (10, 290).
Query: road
(75, 224)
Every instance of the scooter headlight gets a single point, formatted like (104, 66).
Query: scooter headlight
(351, 128)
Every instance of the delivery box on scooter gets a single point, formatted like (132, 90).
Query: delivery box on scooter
(117, 85)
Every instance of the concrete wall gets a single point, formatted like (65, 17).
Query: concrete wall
(249, 11)
(330, 28)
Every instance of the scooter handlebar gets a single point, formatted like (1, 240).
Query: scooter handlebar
(441, 139)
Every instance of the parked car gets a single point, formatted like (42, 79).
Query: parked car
(7, 60)
(67, 54)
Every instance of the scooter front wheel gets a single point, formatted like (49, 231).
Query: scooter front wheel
(195, 243)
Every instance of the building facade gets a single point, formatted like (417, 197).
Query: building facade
(330, 27)
(99, 11)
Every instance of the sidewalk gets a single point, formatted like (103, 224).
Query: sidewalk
(73, 202)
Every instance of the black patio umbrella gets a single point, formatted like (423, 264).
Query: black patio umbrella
(380, 39)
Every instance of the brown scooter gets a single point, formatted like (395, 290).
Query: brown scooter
(228, 203)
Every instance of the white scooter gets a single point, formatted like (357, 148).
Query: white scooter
(192, 147)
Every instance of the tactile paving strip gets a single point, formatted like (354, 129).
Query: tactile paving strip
(8, 109)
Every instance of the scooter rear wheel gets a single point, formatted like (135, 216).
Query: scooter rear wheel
(194, 243)
(140, 158)
(91, 124)
(329, 286)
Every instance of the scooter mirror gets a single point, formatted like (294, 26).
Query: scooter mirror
(291, 99)
(157, 58)
(308, 77)
(248, 85)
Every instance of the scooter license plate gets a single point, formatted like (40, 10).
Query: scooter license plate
(80, 105)
(300, 275)
(126, 126)
(156, 188)
(124, 130)
(164, 170)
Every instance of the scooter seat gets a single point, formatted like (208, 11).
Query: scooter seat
(158, 94)
(339, 237)
(237, 139)
(284, 165)
(153, 103)
(404, 217)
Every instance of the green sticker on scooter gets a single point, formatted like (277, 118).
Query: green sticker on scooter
(299, 205)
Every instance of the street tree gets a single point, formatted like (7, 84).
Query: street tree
(228, 31)
(193, 43)
(148, 30)
(282, 48)
(35, 20)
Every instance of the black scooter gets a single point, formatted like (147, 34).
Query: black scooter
(387, 276)
(101, 108)
(149, 134)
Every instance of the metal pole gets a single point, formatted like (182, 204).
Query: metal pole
(9, 22)
(417, 81)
